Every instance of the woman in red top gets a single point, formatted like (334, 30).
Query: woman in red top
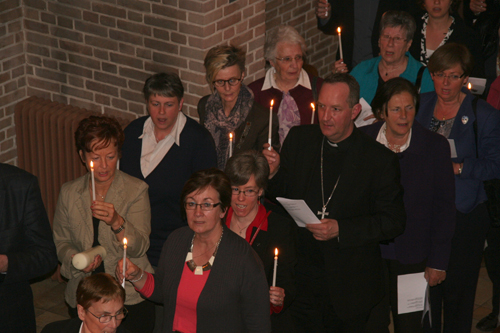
(248, 172)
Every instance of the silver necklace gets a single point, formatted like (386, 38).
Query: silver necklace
(323, 212)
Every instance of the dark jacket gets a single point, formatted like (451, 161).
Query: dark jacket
(71, 326)
(26, 239)
(429, 197)
(196, 152)
(368, 205)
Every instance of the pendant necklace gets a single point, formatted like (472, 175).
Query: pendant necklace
(323, 212)
(198, 270)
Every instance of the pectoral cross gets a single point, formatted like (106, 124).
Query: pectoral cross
(323, 212)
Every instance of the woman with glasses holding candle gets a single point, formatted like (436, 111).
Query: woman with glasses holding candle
(208, 278)
(473, 128)
(266, 231)
(120, 210)
(231, 107)
(396, 33)
(286, 82)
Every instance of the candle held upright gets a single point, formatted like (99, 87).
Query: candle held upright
(275, 266)
(92, 179)
(270, 125)
(340, 43)
(124, 260)
(312, 116)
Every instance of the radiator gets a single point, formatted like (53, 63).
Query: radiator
(46, 144)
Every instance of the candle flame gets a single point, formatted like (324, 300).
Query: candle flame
(91, 165)
(124, 242)
(312, 105)
(272, 102)
(339, 30)
(276, 251)
(469, 86)
(231, 136)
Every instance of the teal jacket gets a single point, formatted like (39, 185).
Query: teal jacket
(366, 73)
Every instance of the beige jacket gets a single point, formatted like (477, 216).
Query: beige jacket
(73, 229)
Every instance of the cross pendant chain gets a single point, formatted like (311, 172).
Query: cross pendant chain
(323, 212)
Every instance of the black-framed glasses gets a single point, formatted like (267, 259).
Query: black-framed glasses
(395, 40)
(248, 193)
(107, 318)
(206, 206)
(221, 83)
(451, 77)
(288, 60)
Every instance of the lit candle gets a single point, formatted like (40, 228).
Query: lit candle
(270, 124)
(124, 259)
(93, 180)
(340, 44)
(312, 116)
(275, 266)
(469, 86)
(230, 144)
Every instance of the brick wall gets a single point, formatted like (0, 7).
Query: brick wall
(97, 54)
(12, 78)
(300, 14)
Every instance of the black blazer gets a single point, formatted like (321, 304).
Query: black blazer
(71, 326)
(26, 239)
(429, 195)
(368, 205)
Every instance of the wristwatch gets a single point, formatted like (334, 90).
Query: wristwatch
(120, 229)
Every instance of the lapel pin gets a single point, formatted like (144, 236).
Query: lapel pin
(465, 119)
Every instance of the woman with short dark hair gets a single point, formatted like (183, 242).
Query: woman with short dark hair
(472, 127)
(164, 149)
(208, 278)
(120, 210)
(264, 230)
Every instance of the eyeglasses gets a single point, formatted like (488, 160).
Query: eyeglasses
(248, 193)
(221, 83)
(206, 206)
(395, 40)
(107, 318)
(451, 77)
(288, 60)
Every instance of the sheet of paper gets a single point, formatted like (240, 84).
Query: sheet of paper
(299, 211)
(478, 85)
(366, 110)
(453, 148)
(411, 292)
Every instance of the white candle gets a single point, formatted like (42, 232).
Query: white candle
(312, 116)
(270, 125)
(93, 180)
(230, 144)
(124, 260)
(340, 44)
(83, 259)
(275, 266)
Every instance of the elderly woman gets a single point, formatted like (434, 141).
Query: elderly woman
(426, 174)
(438, 27)
(286, 82)
(264, 230)
(231, 107)
(164, 149)
(120, 209)
(473, 128)
(396, 33)
(209, 279)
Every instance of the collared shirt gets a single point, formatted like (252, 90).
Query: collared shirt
(381, 138)
(270, 82)
(153, 152)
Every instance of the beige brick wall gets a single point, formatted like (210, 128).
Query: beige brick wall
(97, 54)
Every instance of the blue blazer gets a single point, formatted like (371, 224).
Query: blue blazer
(429, 197)
(469, 185)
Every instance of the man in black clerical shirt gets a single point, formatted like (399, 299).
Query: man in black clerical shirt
(353, 184)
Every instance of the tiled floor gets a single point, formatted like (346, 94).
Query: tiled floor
(50, 306)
